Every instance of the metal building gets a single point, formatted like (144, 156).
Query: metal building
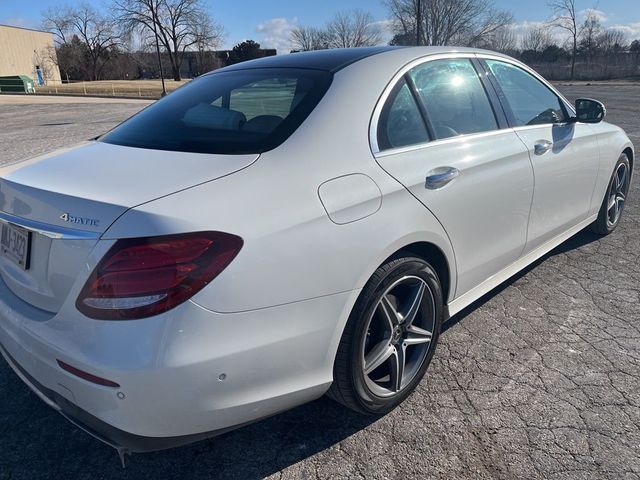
(24, 51)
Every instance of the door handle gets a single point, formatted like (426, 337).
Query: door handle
(542, 146)
(439, 177)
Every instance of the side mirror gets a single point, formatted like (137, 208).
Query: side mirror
(589, 111)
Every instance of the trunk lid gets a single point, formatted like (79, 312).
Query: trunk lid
(68, 198)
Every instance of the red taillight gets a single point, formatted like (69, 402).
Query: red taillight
(142, 277)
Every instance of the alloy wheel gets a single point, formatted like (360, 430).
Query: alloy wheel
(617, 194)
(398, 336)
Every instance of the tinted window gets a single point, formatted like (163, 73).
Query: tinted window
(530, 100)
(454, 97)
(401, 123)
(244, 111)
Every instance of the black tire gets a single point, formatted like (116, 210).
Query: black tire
(350, 387)
(603, 224)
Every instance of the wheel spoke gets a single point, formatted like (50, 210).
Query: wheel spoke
(396, 368)
(412, 313)
(389, 311)
(622, 178)
(399, 336)
(417, 335)
(612, 202)
(377, 356)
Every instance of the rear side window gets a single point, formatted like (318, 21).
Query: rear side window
(243, 111)
(401, 123)
(454, 98)
(531, 101)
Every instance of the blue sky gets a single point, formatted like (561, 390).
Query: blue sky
(270, 21)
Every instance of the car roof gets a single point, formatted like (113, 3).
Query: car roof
(330, 60)
(335, 59)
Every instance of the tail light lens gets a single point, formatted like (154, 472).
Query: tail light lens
(142, 277)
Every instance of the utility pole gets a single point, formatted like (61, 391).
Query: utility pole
(419, 22)
(155, 33)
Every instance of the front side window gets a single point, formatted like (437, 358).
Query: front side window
(242, 111)
(401, 123)
(531, 101)
(454, 98)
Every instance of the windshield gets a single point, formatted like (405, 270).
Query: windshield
(237, 112)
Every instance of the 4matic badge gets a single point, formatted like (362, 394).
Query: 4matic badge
(90, 222)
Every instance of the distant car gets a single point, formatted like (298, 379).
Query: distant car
(285, 228)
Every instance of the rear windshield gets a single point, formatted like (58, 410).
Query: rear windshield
(243, 111)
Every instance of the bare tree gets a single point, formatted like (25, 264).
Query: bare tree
(58, 22)
(612, 40)
(537, 39)
(447, 22)
(589, 35)
(565, 17)
(309, 38)
(208, 36)
(501, 40)
(353, 28)
(178, 23)
(405, 15)
(97, 32)
(69, 57)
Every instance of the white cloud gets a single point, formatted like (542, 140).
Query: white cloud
(631, 30)
(276, 33)
(593, 12)
(386, 30)
(520, 30)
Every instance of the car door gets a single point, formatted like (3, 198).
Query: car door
(564, 155)
(440, 136)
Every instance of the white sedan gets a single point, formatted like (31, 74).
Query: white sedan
(285, 228)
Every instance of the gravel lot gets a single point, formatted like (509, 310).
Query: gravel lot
(539, 379)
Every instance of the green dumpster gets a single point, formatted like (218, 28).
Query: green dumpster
(17, 83)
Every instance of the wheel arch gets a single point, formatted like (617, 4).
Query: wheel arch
(629, 153)
(424, 249)
(436, 258)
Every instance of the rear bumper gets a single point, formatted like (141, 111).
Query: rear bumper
(98, 429)
(170, 368)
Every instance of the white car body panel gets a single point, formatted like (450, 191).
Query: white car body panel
(109, 179)
(263, 335)
(565, 177)
(477, 201)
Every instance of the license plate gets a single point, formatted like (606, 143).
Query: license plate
(15, 244)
